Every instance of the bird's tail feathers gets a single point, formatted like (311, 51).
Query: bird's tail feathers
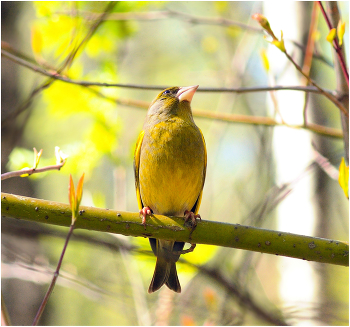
(160, 276)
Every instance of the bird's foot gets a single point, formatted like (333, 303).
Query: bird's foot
(185, 251)
(191, 219)
(144, 212)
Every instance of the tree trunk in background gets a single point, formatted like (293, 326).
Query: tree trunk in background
(22, 298)
(327, 192)
(298, 285)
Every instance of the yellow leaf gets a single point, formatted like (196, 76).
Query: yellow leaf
(25, 175)
(37, 40)
(344, 177)
(341, 31)
(265, 60)
(331, 35)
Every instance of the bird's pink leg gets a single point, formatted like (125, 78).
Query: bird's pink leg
(190, 216)
(144, 212)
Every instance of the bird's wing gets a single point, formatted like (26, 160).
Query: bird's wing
(136, 168)
(199, 199)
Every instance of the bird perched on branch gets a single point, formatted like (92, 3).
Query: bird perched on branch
(170, 166)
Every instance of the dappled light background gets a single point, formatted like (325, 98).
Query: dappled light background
(104, 277)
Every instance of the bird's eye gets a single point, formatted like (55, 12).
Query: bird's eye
(166, 92)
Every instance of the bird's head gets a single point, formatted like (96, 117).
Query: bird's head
(173, 101)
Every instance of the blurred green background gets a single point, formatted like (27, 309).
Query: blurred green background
(104, 278)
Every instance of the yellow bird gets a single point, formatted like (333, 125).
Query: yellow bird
(170, 166)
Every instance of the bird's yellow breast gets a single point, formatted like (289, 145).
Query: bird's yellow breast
(171, 172)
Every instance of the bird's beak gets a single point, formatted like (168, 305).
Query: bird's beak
(186, 93)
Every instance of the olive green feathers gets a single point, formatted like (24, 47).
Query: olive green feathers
(170, 166)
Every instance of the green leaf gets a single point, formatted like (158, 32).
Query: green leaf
(344, 177)
(37, 156)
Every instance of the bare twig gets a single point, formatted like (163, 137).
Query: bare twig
(244, 297)
(342, 88)
(31, 171)
(74, 200)
(66, 63)
(53, 282)
(325, 165)
(158, 15)
(232, 118)
(323, 130)
(192, 19)
(336, 44)
(62, 78)
(324, 92)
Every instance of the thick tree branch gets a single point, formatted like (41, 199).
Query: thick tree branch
(162, 227)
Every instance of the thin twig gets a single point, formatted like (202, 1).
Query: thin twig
(67, 62)
(235, 118)
(232, 118)
(90, 33)
(342, 85)
(59, 77)
(53, 282)
(324, 92)
(336, 44)
(324, 164)
(31, 171)
(192, 19)
(244, 297)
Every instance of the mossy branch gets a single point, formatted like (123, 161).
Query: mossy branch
(172, 228)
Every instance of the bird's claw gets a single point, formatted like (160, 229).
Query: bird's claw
(191, 219)
(144, 212)
(185, 251)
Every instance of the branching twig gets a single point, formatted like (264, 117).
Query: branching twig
(62, 78)
(336, 44)
(30, 171)
(311, 81)
(319, 129)
(67, 62)
(192, 19)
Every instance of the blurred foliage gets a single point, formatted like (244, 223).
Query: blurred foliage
(102, 286)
